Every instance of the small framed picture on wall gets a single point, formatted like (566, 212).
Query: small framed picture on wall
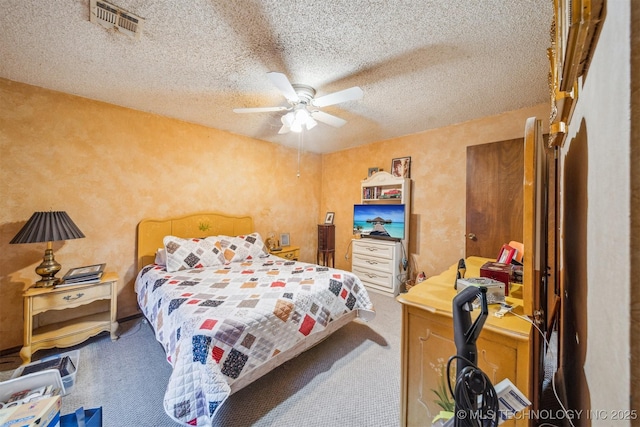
(372, 171)
(401, 167)
(329, 218)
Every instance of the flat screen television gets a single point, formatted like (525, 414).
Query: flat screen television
(379, 221)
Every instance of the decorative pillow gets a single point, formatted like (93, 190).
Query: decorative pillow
(161, 257)
(187, 254)
(240, 248)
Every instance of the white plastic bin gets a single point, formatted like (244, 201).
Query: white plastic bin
(68, 380)
(31, 382)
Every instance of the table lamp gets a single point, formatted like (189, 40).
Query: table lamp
(48, 227)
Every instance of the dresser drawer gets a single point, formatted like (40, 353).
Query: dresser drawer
(63, 298)
(368, 262)
(379, 278)
(373, 248)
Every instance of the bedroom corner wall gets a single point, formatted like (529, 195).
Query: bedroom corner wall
(438, 174)
(109, 167)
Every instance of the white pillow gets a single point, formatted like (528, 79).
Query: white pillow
(187, 254)
(161, 257)
(243, 247)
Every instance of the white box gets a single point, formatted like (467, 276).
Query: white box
(495, 288)
(510, 400)
(42, 413)
(68, 380)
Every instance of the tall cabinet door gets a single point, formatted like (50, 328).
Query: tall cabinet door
(494, 196)
(541, 292)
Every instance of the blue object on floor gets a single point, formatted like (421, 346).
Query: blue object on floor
(83, 418)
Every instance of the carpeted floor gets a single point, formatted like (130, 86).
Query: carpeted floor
(350, 379)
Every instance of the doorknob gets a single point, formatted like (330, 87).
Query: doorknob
(472, 236)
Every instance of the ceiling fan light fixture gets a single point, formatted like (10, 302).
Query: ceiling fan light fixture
(300, 99)
(296, 127)
(301, 115)
(296, 120)
(311, 123)
(288, 119)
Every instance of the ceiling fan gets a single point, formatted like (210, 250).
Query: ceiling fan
(303, 107)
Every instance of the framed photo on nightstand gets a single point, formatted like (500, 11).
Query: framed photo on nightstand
(284, 239)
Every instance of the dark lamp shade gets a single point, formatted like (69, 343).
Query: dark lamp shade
(48, 227)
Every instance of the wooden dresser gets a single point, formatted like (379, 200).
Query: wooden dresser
(427, 343)
(326, 244)
(377, 264)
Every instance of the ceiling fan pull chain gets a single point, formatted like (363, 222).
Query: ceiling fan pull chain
(299, 150)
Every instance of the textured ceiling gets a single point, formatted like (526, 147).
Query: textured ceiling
(422, 64)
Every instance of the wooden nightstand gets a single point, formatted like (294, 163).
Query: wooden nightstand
(291, 253)
(72, 325)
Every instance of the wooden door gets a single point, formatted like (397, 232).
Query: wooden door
(540, 290)
(494, 196)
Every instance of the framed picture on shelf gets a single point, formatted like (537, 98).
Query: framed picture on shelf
(372, 171)
(284, 239)
(328, 219)
(401, 167)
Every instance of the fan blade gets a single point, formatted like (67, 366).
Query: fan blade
(351, 94)
(281, 81)
(328, 119)
(259, 109)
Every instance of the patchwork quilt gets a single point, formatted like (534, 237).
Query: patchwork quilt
(219, 323)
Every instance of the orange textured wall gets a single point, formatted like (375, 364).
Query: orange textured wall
(438, 173)
(109, 167)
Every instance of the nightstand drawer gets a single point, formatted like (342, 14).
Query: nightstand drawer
(60, 299)
(292, 255)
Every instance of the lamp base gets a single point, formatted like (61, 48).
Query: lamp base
(47, 270)
(47, 283)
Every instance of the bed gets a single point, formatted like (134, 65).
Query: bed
(227, 312)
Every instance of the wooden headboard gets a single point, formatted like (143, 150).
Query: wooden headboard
(151, 232)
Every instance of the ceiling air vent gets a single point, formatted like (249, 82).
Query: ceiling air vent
(113, 17)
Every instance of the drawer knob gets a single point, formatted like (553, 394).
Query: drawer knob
(72, 298)
(370, 261)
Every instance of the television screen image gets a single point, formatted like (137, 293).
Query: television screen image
(379, 221)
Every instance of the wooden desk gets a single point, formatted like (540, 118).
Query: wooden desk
(504, 346)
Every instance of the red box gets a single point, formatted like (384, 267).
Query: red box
(498, 271)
